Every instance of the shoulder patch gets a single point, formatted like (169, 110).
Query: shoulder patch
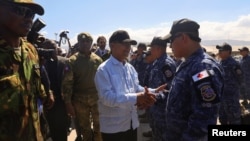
(207, 93)
(168, 73)
(201, 75)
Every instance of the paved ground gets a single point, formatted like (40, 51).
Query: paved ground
(144, 127)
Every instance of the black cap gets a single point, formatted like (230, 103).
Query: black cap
(121, 36)
(184, 26)
(142, 45)
(224, 46)
(244, 49)
(158, 41)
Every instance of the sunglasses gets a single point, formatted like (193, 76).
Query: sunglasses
(21, 11)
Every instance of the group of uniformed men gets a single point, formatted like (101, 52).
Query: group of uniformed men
(196, 88)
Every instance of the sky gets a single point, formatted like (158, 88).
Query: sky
(144, 19)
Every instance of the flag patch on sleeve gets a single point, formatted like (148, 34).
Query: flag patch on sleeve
(201, 75)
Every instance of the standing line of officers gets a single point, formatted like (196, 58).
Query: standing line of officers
(103, 89)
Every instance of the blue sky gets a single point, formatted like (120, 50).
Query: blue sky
(144, 19)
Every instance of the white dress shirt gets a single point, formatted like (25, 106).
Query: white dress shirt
(117, 85)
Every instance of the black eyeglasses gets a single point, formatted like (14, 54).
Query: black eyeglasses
(21, 11)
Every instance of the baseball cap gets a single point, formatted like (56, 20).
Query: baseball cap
(224, 46)
(84, 36)
(185, 26)
(142, 45)
(121, 36)
(27, 3)
(244, 49)
(158, 41)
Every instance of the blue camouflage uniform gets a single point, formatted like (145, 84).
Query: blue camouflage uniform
(161, 71)
(193, 100)
(245, 66)
(230, 106)
(140, 66)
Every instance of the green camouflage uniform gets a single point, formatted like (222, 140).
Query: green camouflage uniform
(20, 87)
(79, 88)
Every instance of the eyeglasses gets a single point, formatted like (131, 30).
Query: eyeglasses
(21, 11)
(171, 40)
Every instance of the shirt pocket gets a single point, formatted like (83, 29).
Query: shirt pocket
(10, 93)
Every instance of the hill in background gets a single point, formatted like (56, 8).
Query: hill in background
(219, 42)
(210, 45)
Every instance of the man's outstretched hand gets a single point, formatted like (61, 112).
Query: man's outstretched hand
(146, 99)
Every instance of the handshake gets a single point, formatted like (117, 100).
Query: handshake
(146, 99)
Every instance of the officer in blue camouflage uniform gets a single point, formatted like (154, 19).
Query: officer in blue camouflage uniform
(245, 66)
(161, 71)
(139, 62)
(20, 81)
(230, 110)
(194, 97)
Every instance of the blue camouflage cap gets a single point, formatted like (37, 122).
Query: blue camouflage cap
(158, 41)
(27, 3)
(184, 26)
(224, 46)
(244, 49)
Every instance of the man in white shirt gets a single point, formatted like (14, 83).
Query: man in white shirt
(120, 93)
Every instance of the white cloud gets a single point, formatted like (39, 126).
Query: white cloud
(209, 30)
(232, 30)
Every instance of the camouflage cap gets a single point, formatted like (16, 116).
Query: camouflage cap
(27, 3)
(84, 36)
